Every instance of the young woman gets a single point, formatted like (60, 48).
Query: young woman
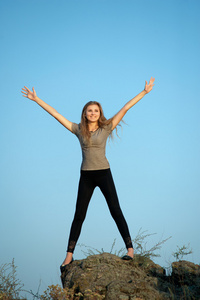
(92, 133)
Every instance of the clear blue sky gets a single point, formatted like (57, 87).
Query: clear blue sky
(104, 50)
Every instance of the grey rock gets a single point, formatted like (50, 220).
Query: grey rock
(106, 276)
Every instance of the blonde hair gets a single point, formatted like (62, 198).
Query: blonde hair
(102, 121)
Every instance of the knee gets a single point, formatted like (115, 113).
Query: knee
(79, 218)
(116, 213)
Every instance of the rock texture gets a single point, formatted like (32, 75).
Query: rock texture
(106, 276)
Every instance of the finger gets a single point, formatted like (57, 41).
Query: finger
(24, 93)
(27, 88)
(24, 96)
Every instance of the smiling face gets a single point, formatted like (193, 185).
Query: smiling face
(92, 113)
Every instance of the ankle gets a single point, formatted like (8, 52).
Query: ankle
(68, 258)
(130, 252)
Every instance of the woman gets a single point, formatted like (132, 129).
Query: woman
(92, 133)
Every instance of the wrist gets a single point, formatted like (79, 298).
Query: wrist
(145, 92)
(37, 99)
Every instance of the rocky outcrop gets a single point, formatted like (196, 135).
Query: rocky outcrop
(106, 276)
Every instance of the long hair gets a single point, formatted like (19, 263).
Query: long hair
(102, 121)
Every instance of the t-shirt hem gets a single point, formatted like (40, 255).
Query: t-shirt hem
(95, 169)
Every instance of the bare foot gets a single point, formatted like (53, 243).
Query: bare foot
(68, 259)
(130, 252)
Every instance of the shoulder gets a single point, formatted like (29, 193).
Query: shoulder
(108, 127)
(75, 128)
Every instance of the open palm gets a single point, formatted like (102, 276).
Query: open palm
(149, 86)
(29, 94)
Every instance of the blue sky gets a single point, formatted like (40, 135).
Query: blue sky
(73, 52)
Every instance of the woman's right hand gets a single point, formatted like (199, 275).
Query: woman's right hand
(32, 96)
(29, 94)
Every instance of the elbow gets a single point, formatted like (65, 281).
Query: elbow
(125, 109)
(55, 114)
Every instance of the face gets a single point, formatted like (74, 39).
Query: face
(92, 113)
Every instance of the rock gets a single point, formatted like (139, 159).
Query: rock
(185, 272)
(186, 277)
(106, 276)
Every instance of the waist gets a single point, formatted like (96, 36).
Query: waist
(93, 172)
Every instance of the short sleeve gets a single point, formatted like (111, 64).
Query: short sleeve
(108, 127)
(75, 128)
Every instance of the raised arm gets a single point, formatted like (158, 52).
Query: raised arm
(32, 96)
(118, 117)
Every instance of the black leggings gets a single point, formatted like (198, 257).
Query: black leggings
(88, 181)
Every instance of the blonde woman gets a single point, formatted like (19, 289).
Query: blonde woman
(92, 132)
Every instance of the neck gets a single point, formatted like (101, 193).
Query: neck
(93, 126)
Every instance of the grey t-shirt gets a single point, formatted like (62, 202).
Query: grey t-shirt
(93, 153)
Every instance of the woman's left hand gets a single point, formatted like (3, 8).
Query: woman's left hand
(149, 86)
